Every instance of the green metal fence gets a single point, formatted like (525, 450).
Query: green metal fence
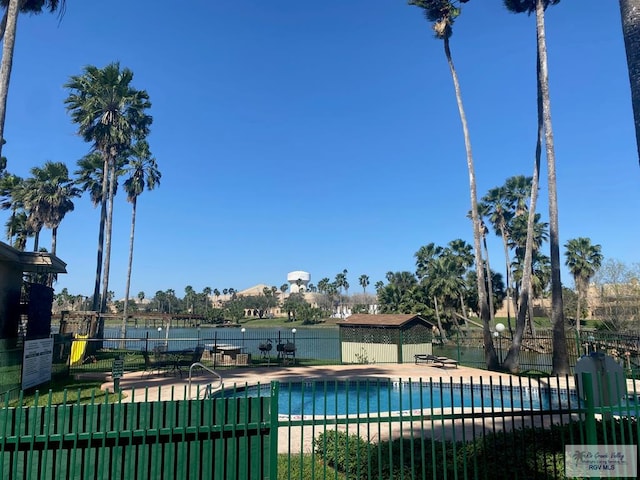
(187, 439)
(355, 429)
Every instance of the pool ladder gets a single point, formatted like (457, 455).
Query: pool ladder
(210, 388)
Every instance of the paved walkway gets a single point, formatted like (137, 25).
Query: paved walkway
(140, 386)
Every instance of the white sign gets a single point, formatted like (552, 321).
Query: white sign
(601, 461)
(36, 362)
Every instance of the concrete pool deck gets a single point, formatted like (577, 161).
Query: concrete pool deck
(141, 386)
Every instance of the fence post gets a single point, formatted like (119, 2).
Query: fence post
(590, 412)
(273, 431)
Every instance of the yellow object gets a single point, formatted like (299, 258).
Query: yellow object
(77, 349)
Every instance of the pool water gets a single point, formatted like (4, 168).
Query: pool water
(356, 397)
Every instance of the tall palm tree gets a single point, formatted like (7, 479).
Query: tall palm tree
(517, 190)
(206, 292)
(33, 7)
(630, 14)
(443, 14)
(583, 259)
(143, 172)
(560, 359)
(111, 115)
(495, 206)
(341, 282)
(364, 283)
(48, 196)
(8, 26)
(90, 176)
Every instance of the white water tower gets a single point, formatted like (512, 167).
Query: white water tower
(298, 281)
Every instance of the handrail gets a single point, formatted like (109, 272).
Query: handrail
(213, 372)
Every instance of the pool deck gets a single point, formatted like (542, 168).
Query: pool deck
(140, 386)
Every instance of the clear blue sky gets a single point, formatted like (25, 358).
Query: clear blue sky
(320, 136)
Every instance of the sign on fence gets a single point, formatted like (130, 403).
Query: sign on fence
(36, 362)
(117, 369)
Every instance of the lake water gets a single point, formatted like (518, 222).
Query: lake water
(319, 343)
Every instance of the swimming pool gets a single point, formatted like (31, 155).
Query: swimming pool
(373, 396)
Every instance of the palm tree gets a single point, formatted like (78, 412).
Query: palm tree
(216, 293)
(111, 115)
(583, 260)
(18, 227)
(630, 13)
(443, 14)
(48, 196)
(90, 175)
(143, 172)
(461, 255)
(8, 26)
(495, 207)
(206, 292)
(9, 185)
(364, 283)
(560, 358)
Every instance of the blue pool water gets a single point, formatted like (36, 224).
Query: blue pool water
(352, 397)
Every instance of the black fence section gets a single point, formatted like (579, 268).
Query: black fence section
(226, 347)
(536, 352)
(221, 348)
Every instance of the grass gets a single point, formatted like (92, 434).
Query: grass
(67, 391)
(306, 466)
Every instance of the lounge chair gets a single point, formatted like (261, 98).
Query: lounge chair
(435, 360)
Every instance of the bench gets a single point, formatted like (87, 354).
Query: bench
(162, 361)
(435, 360)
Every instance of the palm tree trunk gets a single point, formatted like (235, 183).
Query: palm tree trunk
(103, 220)
(492, 311)
(123, 330)
(7, 60)
(630, 13)
(578, 312)
(512, 361)
(463, 306)
(54, 240)
(560, 359)
(510, 291)
(443, 334)
(491, 357)
(532, 327)
(107, 239)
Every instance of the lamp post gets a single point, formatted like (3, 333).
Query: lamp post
(293, 332)
(243, 330)
(498, 333)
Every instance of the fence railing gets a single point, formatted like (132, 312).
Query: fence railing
(357, 429)
(322, 346)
